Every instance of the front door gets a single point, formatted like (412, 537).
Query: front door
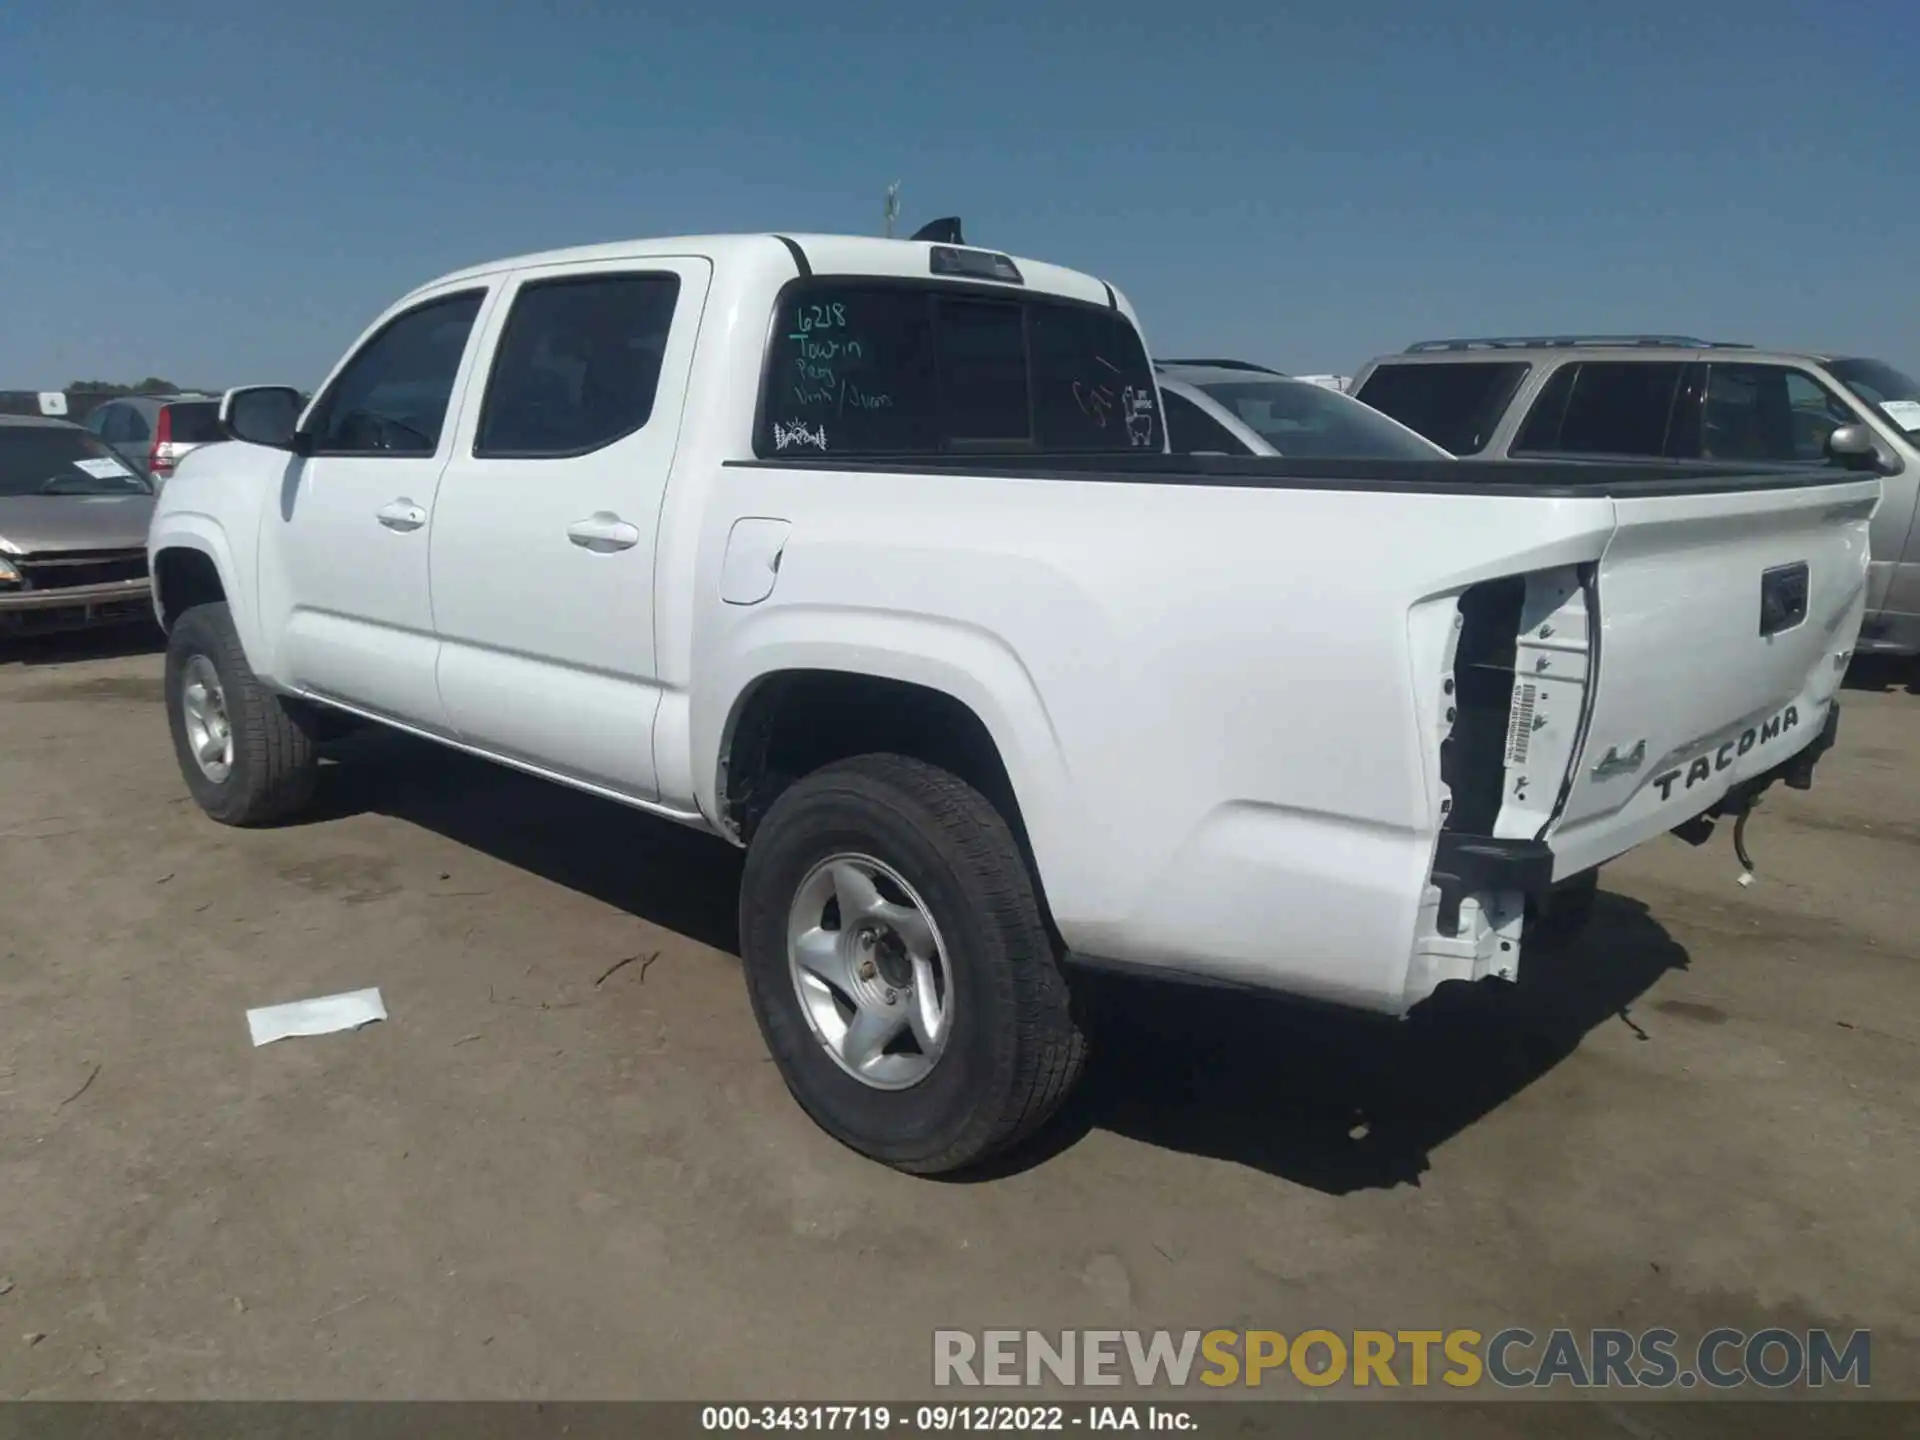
(543, 541)
(345, 539)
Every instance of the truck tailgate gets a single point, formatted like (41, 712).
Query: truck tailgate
(1726, 620)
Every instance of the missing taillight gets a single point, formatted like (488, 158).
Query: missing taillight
(1474, 754)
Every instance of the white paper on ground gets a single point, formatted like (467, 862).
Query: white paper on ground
(321, 1016)
(1904, 413)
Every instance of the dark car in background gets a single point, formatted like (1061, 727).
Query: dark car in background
(73, 530)
(156, 432)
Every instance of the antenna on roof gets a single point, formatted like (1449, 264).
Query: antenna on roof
(941, 232)
(892, 208)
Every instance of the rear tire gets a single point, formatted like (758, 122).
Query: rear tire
(1010, 1046)
(245, 751)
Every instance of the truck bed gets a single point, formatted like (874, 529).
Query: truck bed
(1289, 695)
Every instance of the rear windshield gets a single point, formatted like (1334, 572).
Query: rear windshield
(194, 422)
(1298, 418)
(860, 367)
(61, 460)
(1457, 406)
(1879, 384)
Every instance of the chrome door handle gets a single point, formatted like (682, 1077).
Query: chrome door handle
(402, 514)
(603, 533)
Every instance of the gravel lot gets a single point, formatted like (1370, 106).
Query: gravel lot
(545, 1176)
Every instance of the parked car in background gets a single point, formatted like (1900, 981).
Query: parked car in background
(1635, 397)
(1332, 382)
(73, 529)
(1231, 407)
(156, 432)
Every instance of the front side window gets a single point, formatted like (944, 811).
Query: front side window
(578, 365)
(1458, 406)
(1604, 407)
(1888, 390)
(392, 397)
(1767, 414)
(1816, 412)
(866, 368)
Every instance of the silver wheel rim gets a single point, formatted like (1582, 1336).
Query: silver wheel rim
(871, 971)
(203, 705)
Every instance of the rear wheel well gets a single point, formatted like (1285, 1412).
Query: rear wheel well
(185, 578)
(794, 722)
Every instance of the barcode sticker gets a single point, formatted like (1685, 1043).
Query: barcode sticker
(1520, 724)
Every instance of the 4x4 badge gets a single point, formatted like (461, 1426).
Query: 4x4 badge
(1614, 763)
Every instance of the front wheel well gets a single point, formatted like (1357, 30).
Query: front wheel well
(794, 722)
(182, 579)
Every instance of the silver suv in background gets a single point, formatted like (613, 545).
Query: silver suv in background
(1231, 407)
(156, 432)
(1637, 397)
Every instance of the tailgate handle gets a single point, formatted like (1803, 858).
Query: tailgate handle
(1783, 597)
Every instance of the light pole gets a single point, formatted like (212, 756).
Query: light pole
(892, 211)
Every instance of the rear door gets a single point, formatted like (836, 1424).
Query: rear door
(1725, 623)
(543, 539)
(1621, 409)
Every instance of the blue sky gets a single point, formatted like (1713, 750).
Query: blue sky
(227, 194)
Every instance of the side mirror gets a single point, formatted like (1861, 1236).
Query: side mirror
(262, 415)
(1855, 448)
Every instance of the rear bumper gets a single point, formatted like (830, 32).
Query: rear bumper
(114, 603)
(1474, 864)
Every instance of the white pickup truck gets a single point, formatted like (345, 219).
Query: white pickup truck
(866, 554)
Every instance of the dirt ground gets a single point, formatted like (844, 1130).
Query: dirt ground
(545, 1176)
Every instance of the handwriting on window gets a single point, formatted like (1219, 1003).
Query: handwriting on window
(827, 359)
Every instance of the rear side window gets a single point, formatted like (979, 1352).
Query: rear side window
(126, 426)
(197, 423)
(1457, 406)
(578, 365)
(1604, 408)
(865, 368)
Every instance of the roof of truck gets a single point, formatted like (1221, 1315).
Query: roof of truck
(823, 254)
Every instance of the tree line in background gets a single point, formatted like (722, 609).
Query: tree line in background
(152, 385)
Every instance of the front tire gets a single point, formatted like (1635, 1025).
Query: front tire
(900, 968)
(245, 751)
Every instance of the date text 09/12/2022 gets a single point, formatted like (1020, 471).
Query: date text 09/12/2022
(945, 1419)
